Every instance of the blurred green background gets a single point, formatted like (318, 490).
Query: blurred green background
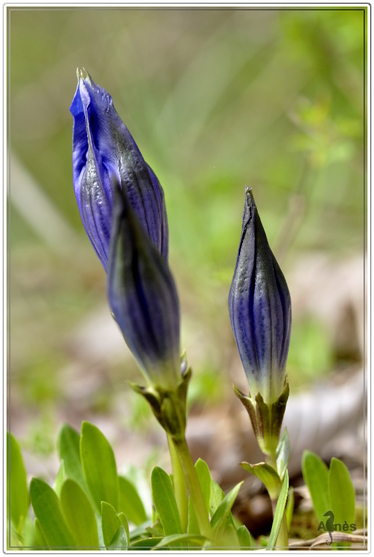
(215, 99)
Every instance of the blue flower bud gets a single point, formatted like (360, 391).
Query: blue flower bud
(143, 297)
(103, 150)
(260, 308)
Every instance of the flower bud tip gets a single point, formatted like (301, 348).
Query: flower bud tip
(83, 74)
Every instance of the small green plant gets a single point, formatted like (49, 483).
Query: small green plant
(90, 505)
(333, 496)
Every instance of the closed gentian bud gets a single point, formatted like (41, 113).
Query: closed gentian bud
(143, 297)
(103, 150)
(260, 309)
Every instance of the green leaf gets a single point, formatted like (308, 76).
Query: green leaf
(110, 522)
(60, 478)
(217, 495)
(278, 514)
(145, 543)
(220, 516)
(246, 541)
(99, 466)
(342, 493)
(267, 475)
(47, 510)
(69, 452)
(156, 529)
(289, 507)
(12, 538)
(228, 538)
(17, 485)
(316, 477)
(140, 530)
(130, 502)
(205, 481)
(164, 500)
(79, 515)
(125, 524)
(204, 478)
(176, 539)
(192, 526)
(283, 453)
(41, 542)
(29, 535)
(120, 540)
(99, 524)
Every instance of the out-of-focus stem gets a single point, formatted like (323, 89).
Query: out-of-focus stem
(282, 540)
(194, 488)
(179, 485)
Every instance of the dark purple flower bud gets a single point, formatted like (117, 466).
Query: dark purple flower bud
(260, 308)
(103, 150)
(143, 297)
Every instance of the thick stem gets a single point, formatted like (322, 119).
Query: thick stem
(194, 488)
(179, 485)
(282, 540)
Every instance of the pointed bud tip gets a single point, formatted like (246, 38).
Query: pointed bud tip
(250, 200)
(83, 74)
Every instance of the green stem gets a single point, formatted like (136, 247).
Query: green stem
(272, 460)
(194, 488)
(179, 485)
(282, 540)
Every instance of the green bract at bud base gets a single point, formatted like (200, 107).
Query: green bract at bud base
(169, 406)
(266, 419)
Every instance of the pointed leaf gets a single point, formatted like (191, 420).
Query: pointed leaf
(217, 495)
(342, 493)
(99, 466)
(316, 477)
(17, 485)
(164, 500)
(79, 515)
(246, 541)
(220, 516)
(60, 478)
(120, 540)
(204, 478)
(69, 451)
(278, 514)
(267, 475)
(110, 522)
(130, 503)
(289, 507)
(47, 510)
(205, 481)
(125, 524)
(228, 538)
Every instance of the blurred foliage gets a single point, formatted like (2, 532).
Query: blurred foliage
(310, 351)
(215, 99)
